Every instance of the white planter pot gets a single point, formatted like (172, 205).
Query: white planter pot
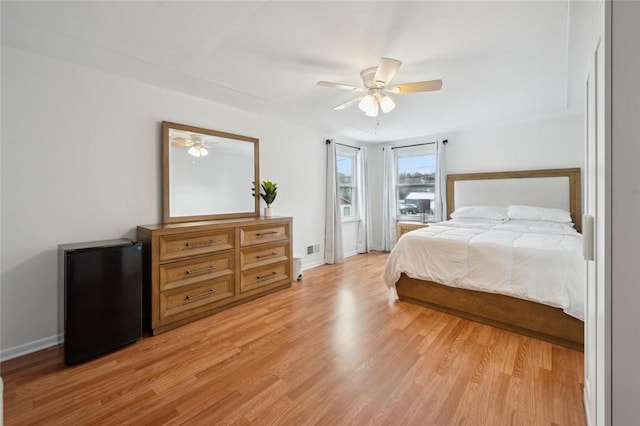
(267, 212)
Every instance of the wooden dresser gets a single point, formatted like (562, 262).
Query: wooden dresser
(194, 269)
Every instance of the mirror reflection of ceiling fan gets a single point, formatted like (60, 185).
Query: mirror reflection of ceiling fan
(376, 90)
(195, 142)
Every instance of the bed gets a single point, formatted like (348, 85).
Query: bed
(465, 266)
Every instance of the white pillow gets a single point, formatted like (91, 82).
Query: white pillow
(538, 213)
(484, 212)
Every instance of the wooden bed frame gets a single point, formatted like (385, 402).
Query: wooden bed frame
(521, 316)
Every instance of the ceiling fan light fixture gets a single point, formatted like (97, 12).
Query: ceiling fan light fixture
(387, 104)
(367, 103)
(198, 151)
(373, 110)
(376, 81)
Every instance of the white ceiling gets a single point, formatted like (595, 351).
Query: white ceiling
(500, 61)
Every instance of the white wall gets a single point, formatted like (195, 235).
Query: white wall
(551, 143)
(541, 144)
(81, 162)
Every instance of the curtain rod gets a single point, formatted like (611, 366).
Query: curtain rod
(328, 141)
(445, 141)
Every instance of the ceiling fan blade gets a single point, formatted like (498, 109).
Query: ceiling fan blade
(349, 103)
(340, 86)
(181, 142)
(419, 86)
(387, 68)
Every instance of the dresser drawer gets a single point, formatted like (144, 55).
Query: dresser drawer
(264, 276)
(265, 234)
(187, 272)
(256, 257)
(183, 245)
(187, 300)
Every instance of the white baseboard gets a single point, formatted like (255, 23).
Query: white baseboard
(351, 253)
(312, 265)
(27, 348)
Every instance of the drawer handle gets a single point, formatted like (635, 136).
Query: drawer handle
(200, 271)
(200, 244)
(262, 256)
(259, 277)
(198, 296)
(264, 234)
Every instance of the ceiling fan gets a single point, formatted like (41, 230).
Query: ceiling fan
(376, 88)
(195, 142)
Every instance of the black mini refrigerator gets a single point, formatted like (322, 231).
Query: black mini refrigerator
(102, 287)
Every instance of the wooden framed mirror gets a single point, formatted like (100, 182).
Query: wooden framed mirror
(207, 174)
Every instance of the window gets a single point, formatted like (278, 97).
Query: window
(347, 182)
(415, 182)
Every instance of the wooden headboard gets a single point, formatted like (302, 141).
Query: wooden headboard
(557, 188)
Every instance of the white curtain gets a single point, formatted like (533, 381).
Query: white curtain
(333, 252)
(441, 182)
(364, 210)
(389, 200)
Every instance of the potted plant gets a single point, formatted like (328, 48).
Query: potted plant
(268, 194)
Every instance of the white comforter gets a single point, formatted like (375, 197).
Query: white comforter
(529, 261)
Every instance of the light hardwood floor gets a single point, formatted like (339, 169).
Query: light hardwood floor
(333, 349)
